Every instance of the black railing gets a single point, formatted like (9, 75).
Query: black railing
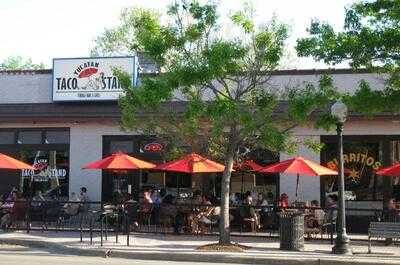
(103, 218)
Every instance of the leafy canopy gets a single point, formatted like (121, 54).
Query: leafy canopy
(223, 82)
(19, 63)
(370, 39)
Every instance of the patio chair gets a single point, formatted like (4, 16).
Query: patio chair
(329, 224)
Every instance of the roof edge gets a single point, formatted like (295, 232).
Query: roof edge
(276, 72)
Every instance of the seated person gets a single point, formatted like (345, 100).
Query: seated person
(316, 215)
(147, 203)
(38, 199)
(391, 213)
(169, 215)
(72, 208)
(247, 212)
(16, 212)
(283, 202)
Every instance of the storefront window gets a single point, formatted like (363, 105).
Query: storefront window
(7, 137)
(361, 160)
(30, 137)
(121, 146)
(178, 180)
(57, 137)
(51, 173)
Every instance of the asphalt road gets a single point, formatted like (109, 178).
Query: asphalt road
(25, 256)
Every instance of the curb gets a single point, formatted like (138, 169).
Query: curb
(197, 256)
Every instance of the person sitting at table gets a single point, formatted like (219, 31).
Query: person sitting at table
(235, 198)
(270, 198)
(315, 216)
(248, 213)
(283, 202)
(205, 200)
(71, 208)
(147, 203)
(391, 213)
(17, 211)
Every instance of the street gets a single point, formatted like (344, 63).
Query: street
(15, 255)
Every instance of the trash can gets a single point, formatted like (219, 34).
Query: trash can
(291, 231)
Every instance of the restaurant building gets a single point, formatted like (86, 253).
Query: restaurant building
(63, 118)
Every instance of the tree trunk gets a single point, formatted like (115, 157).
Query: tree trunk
(224, 229)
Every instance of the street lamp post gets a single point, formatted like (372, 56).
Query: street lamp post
(342, 242)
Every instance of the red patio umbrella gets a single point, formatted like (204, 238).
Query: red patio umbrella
(192, 163)
(248, 165)
(393, 171)
(299, 165)
(119, 161)
(7, 162)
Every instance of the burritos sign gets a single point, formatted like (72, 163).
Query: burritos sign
(90, 79)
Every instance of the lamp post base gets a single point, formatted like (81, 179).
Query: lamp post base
(342, 246)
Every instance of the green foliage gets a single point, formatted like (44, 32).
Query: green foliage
(370, 39)
(19, 63)
(223, 81)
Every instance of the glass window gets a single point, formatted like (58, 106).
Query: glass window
(51, 173)
(361, 160)
(178, 180)
(7, 137)
(121, 146)
(57, 137)
(30, 137)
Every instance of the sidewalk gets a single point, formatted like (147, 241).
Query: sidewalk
(183, 248)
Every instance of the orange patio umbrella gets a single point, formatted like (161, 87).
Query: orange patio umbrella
(248, 165)
(119, 161)
(7, 162)
(393, 171)
(192, 163)
(297, 166)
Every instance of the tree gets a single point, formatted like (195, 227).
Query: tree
(223, 84)
(19, 63)
(370, 39)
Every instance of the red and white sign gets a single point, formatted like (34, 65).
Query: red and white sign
(91, 79)
(153, 147)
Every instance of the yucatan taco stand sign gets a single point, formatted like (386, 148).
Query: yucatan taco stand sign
(90, 79)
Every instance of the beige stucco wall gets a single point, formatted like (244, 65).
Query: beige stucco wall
(86, 146)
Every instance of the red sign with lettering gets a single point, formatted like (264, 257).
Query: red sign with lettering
(153, 147)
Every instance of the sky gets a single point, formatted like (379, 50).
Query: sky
(47, 29)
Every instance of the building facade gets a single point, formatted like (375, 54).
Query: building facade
(60, 137)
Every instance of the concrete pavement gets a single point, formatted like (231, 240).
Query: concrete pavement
(27, 256)
(183, 248)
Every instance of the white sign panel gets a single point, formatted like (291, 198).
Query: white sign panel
(90, 79)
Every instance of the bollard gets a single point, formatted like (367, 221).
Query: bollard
(81, 232)
(116, 229)
(91, 230)
(101, 231)
(127, 230)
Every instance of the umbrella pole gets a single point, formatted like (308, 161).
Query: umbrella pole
(297, 185)
(241, 189)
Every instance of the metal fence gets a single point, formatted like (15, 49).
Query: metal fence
(102, 219)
